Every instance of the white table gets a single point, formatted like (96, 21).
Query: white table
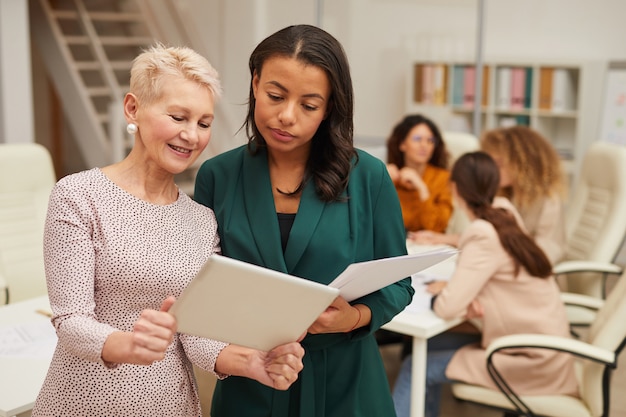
(21, 378)
(422, 325)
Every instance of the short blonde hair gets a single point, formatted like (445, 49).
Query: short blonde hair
(149, 67)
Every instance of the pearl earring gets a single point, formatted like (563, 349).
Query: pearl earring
(131, 128)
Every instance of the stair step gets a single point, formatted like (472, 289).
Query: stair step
(126, 40)
(95, 65)
(104, 90)
(98, 91)
(102, 16)
(111, 40)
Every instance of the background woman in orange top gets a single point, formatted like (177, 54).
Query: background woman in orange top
(417, 162)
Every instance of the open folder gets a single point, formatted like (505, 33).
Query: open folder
(248, 305)
(257, 307)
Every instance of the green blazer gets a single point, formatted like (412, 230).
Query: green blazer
(343, 373)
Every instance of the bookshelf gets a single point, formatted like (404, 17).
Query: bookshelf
(562, 100)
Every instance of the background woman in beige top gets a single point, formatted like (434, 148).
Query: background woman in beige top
(503, 277)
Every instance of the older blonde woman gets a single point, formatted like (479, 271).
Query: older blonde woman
(121, 242)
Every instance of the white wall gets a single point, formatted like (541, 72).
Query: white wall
(381, 37)
(526, 30)
(16, 97)
(242, 25)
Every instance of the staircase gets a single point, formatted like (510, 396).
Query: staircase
(87, 48)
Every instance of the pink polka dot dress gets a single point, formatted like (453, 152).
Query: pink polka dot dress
(108, 256)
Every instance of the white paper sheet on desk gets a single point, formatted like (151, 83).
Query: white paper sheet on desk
(362, 278)
(422, 298)
(29, 340)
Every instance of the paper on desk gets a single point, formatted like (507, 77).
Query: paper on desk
(422, 298)
(29, 340)
(362, 278)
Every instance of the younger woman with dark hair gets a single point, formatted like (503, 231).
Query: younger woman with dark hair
(417, 162)
(300, 199)
(503, 277)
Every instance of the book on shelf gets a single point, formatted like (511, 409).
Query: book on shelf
(514, 120)
(485, 90)
(458, 89)
(563, 90)
(522, 120)
(469, 86)
(440, 87)
(545, 88)
(503, 90)
(518, 88)
(528, 93)
(418, 75)
(506, 121)
(428, 79)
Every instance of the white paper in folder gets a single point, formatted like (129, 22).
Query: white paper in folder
(248, 305)
(362, 278)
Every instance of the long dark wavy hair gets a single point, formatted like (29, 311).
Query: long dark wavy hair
(395, 156)
(477, 180)
(332, 147)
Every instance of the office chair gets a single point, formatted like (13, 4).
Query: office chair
(26, 179)
(598, 352)
(595, 228)
(458, 143)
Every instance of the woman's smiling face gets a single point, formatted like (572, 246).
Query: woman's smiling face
(176, 128)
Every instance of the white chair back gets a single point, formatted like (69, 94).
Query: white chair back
(26, 179)
(458, 143)
(595, 219)
(607, 331)
(374, 145)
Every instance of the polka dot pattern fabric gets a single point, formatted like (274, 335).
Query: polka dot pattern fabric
(108, 256)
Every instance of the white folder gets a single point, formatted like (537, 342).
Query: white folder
(253, 306)
(249, 305)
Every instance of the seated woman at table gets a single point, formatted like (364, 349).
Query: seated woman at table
(531, 177)
(121, 242)
(417, 162)
(503, 277)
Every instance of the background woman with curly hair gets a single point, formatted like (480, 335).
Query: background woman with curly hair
(531, 177)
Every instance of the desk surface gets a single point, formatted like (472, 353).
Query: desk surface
(418, 320)
(424, 324)
(21, 377)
